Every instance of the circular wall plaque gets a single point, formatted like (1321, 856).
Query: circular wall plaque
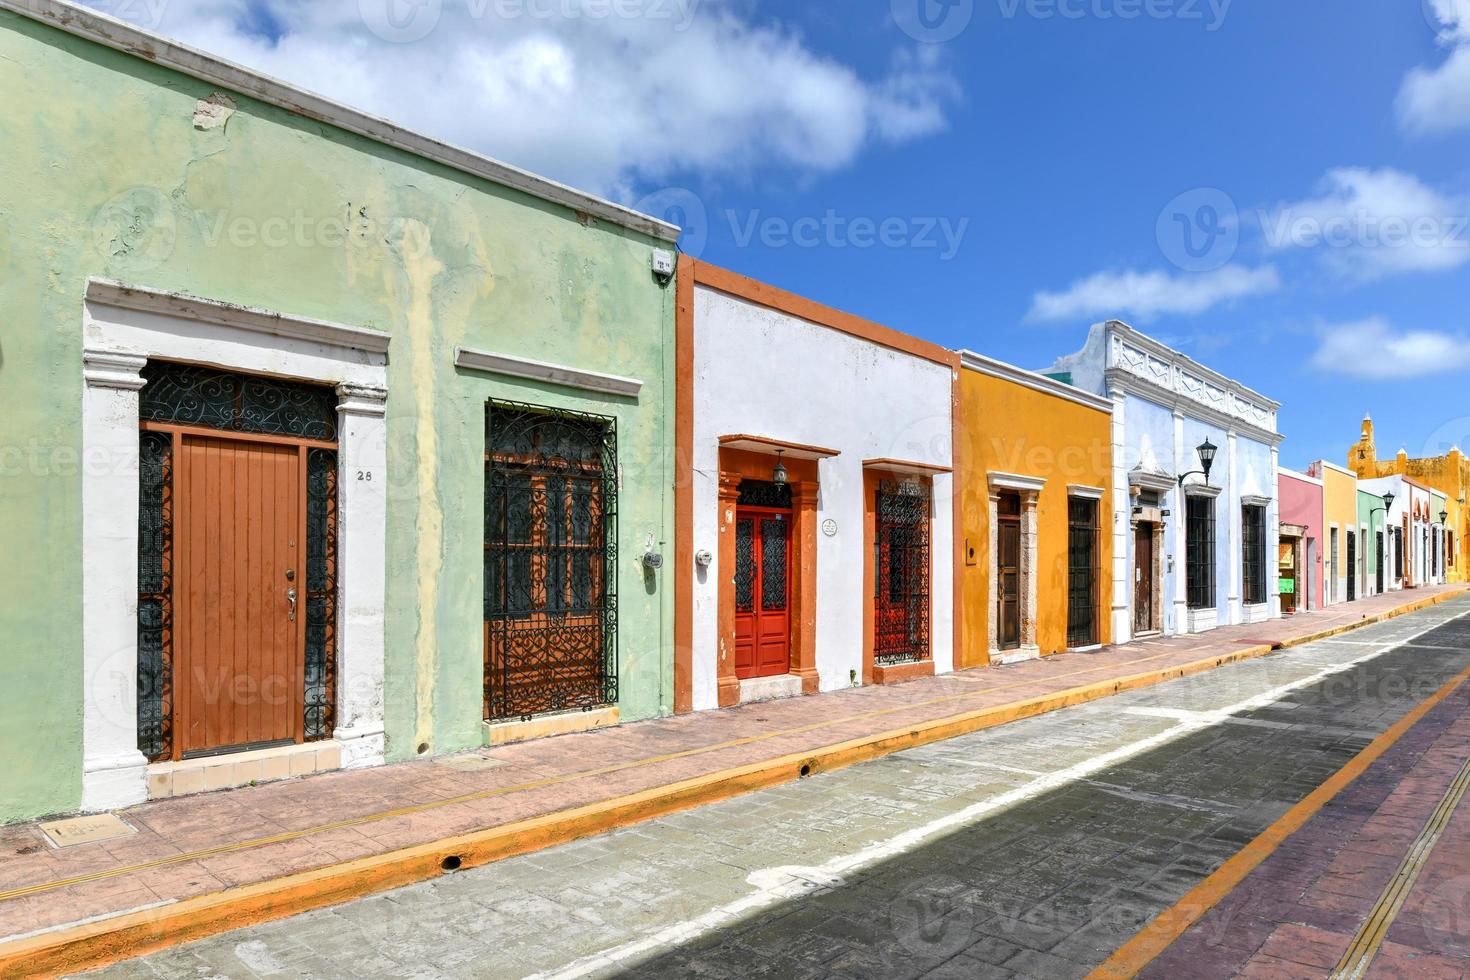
(829, 528)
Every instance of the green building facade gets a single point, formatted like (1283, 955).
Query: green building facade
(163, 216)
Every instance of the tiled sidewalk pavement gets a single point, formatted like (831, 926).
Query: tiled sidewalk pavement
(1297, 913)
(161, 863)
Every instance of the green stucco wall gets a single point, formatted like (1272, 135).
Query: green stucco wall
(105, 174)
(1367, 503)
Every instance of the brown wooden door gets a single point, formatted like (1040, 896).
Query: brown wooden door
(1143, 578)
(1008, 572)
(239, 673)
(762, 594)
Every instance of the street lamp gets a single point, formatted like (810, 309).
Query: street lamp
(779, 475)
(1206, 452)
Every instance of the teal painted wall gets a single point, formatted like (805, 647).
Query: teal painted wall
(104, 174)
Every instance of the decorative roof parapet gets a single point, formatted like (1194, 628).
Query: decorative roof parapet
(1133, 357)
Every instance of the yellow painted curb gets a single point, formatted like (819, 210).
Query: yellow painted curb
(95, 944)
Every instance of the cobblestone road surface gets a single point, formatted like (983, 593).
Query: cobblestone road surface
(1035, 849)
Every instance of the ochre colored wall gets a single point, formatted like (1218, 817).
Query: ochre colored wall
(1008, 427)
(104, 174)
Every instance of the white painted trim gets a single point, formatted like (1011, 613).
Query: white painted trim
(147, 46)
(1254, 500)
(142, 299)
(1033, 380)
(1084, 491)
(560, 374)
(1201, 490)
(1295, 475)
(1340, 469)
(119, 338)
(1161, 482)
(1015, 481)
(1160, 349)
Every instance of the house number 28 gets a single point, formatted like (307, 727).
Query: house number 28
(364, 476)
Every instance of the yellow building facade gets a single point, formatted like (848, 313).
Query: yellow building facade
(1034, 471)
(1340, 532)
(1449, 474)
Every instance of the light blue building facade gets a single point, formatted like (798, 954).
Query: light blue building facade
(1188, 556)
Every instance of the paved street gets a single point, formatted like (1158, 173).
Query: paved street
(1033, 849)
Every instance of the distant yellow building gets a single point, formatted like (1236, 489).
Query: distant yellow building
(1449, 474)
(1035, 478)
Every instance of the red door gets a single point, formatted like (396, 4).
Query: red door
(762, 593)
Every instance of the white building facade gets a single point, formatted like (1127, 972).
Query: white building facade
(819, 545)
(1191, 550)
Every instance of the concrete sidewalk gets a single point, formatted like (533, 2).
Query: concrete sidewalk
(198, 865)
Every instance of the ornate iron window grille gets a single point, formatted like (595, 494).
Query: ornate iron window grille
(763, 493)
(1253, 552)
(191, 395)
(1081, 572)
(551, 490)
(1352, 566)
(901, 582)
(155, 595)
(1199, 518)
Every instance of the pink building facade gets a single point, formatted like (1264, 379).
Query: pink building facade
(1299, 563)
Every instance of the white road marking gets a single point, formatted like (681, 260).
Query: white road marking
(774, 886)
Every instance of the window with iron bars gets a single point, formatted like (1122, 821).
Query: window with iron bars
(1199, 532)
(1253, 545)
(901, 580)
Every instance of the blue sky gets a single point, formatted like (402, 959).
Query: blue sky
(993, 174)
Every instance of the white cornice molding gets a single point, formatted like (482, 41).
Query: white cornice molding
(1015, 481)
(1124, 380)
(1201, 490)
(368, 401)
(1254, 500)
(1337, 469)
(524, 367)
(110, 369)
(1149, 480)
(1084, 491)
(141, 299)
(1030, 379)
(1178, 358)
(110, 32)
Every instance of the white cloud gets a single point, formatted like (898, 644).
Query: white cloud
(1145, 294)
(1368, 224)
(603, 94)
(1437, 99)
(1373, 349)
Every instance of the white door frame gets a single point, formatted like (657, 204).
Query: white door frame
(124, 326)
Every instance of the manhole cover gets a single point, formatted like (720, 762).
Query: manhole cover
(85, 830)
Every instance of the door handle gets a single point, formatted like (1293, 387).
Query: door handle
(291, 597)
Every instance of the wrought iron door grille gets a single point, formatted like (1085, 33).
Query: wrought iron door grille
(1378, 556)
(187, 394)
(190, 395)
(1253, 552)
(319, 703)
(155, 594)
(550, 561)
(764, 493)
(1199, 521)
(901, 600)
(1081, 572)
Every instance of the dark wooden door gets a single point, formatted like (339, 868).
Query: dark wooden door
(241, 517)
(1143, 578)
(1352, 566)
(1081, 572)
(762, 594)
(1008, 572)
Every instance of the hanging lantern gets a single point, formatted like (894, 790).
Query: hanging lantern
(778, 475)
